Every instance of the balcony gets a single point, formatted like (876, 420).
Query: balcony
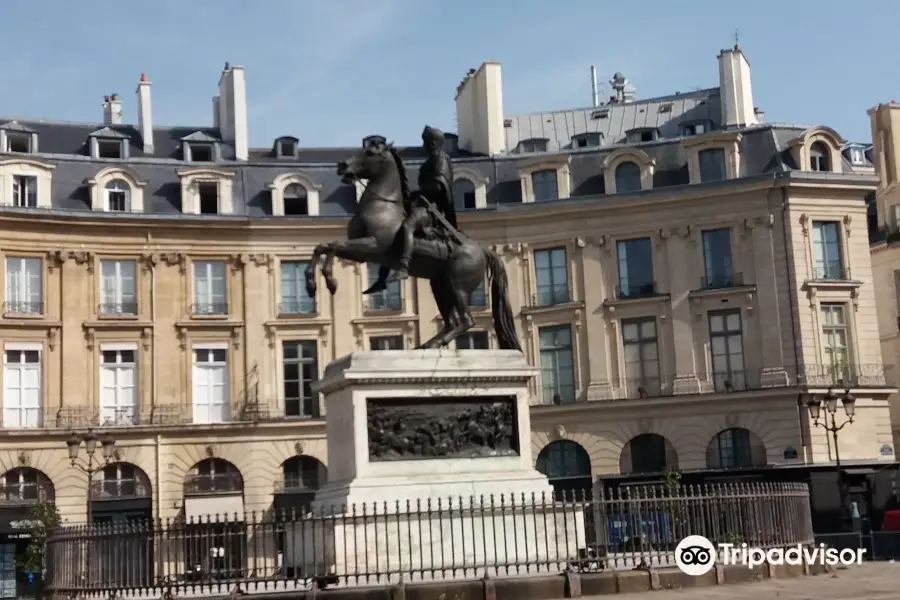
(295, 485)
(847, 376)
(24, 494)
(17, 308)
(118, 309)
(383, 302)
(551, 296)
(645, 387)
(209, 309)
(212, 484)
(119, 489)
(290, 308)
(637, 290)
(721, 281)
(119, 417)
(834, 271)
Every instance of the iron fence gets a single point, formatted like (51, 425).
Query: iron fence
(456, 538)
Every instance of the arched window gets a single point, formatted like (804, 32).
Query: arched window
(118, 196)
(568, 467)
(735, 448)
(304, 474)
(628, 178)
(120, 480)
(648, 453)
(819, 157)
(212, 476)
(464, 194)
(25, 485)
(295, 200)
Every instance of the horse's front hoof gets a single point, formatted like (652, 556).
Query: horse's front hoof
(331, 284)
(311, 289)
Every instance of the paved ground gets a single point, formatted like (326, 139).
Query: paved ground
(871, 581)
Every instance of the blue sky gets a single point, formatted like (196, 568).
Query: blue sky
(333, 71)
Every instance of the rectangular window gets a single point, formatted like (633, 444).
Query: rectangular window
(389, 299)
(836, 341)
(478, 297)
(712, 165)
(25, 191)
(24, 286)
(210, 385)
(301, 369)
(827, 251)
(544, 186)
(717, 259)
(208, 197)
(118, 291)
(473, 340)
(201, 153)
(552, 275)
(210, 288)
(639, 341)
(386, 342)
(22, 397)
(119, 403)
(117, 199)
(726, 342)
(557, 364)
(16, 142)
(294, 299)
(109, 149)
(635, 268)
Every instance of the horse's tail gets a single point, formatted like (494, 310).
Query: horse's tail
(504, 320)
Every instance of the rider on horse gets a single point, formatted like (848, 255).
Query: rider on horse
(436, 189)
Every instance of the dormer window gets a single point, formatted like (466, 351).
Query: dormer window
(373, 139)
(108, 143)
(15, 137)
(18, 142)
(693, 129)
(451, 143)
(636, 136)
(117, 196)
(587, 140)
(286, 147)
(295, 200)
(602, 113)
(200, 146)
(818, 157)
(857, 156)
(109, 149)
(533, 145)
(666, 108)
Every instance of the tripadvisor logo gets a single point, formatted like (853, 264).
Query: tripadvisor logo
(695, 555)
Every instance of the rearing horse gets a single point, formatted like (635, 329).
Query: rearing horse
(454, 264)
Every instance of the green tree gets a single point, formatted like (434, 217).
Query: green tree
(44, 519)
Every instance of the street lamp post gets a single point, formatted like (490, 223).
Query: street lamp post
(91, 463)
(830, 400)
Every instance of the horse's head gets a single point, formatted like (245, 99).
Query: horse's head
(370, 163)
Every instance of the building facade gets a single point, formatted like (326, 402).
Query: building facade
(681, 272)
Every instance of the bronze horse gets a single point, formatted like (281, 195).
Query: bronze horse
(454, 264)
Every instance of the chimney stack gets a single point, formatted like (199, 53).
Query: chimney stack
(735, 89)
(231, 110)
(479, 110)
(112, 110)
(145, 113)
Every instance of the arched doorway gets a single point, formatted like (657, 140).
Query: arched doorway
(23, 489)
(735, 448)
(215, 534)
(568, 467)
(648, 453)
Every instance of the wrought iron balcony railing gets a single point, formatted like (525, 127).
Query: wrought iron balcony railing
(719, 281)
(636, 290)
(201, 309)
(119, 489)
(833, 271)
(17, 307)
(305, 306)
(219, 483)
(24, 494)
(117, 309)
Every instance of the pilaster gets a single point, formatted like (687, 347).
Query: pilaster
(679, 246)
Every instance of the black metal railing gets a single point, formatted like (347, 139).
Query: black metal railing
(112, 309)
(121, 417)
(19, 494)
(850, 375)
(218, 483)
(451, 540)
(551, 296)
(119, 489)
(209, 308)
(297, 307)
(646, 387)
(834, 271)
(720, 281)
(729, 381)
(23, 308)
(638, 290)
(383, 301)
(297, 485)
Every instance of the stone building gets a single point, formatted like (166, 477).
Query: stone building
(681, 271)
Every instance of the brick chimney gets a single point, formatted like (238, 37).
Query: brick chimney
(145, 113)
(112, 110)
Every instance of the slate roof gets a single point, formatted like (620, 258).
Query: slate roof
(64, 144)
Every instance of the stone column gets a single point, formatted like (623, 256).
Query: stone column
(681, 282)
(593, 255)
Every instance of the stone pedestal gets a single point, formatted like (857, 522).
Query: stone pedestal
(430, 468)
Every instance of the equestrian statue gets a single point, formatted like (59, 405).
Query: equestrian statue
(415, 234)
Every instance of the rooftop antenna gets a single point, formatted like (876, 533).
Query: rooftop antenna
(737, 40)
(595, 92)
